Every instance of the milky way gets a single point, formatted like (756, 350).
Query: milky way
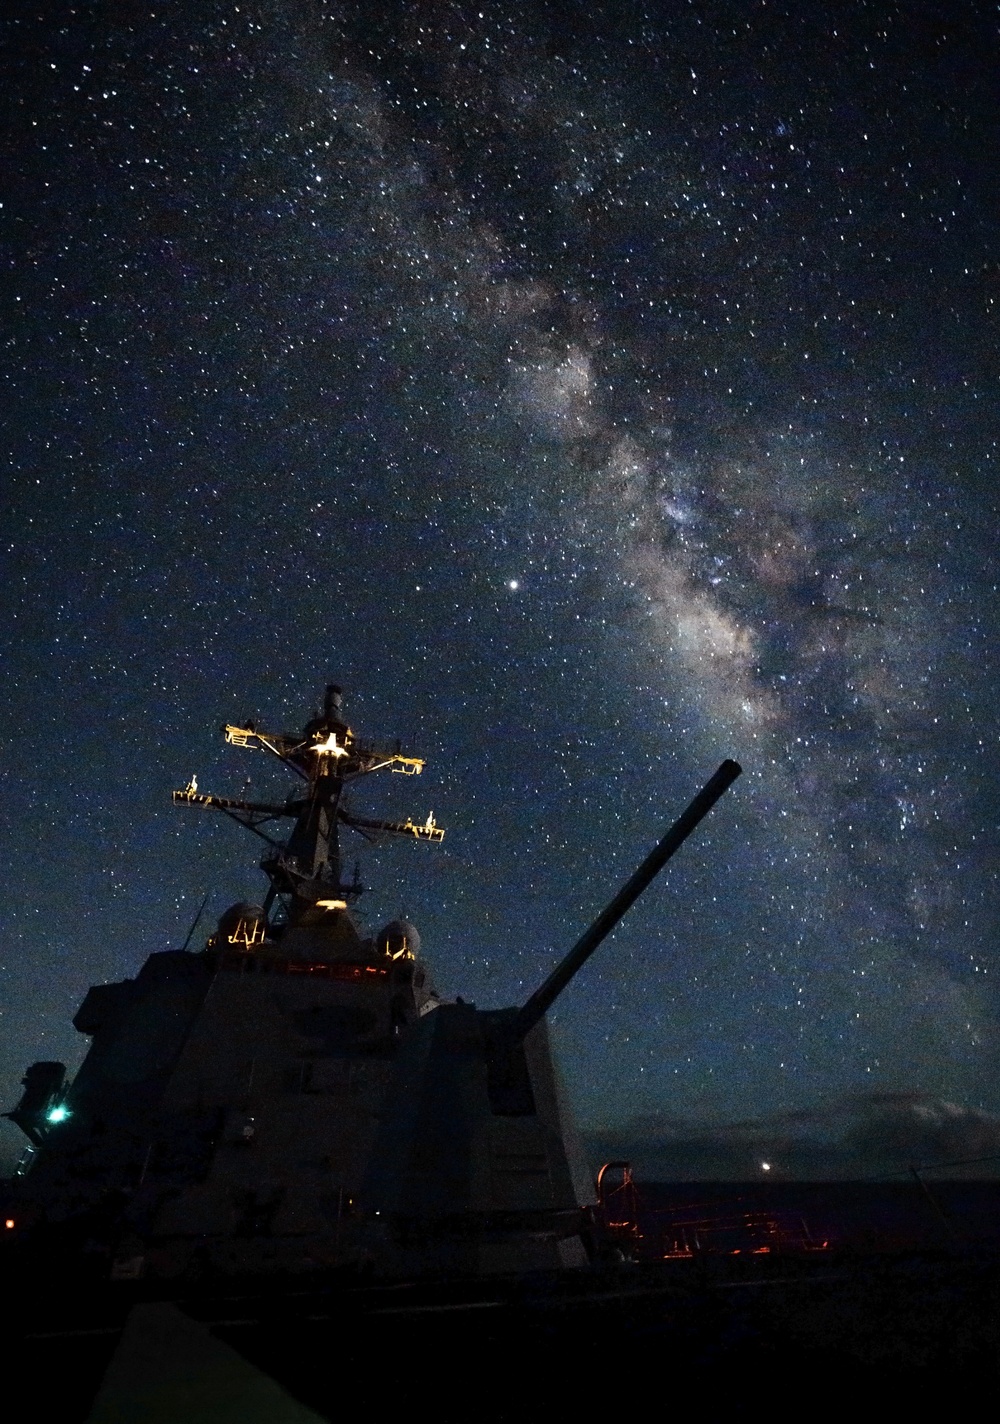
(594, 396)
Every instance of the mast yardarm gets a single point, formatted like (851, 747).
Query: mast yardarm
(327, 757)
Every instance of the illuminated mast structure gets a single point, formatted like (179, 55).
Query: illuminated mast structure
(230, 1097)
(305, 871)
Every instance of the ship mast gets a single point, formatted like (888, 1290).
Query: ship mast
(305, 868)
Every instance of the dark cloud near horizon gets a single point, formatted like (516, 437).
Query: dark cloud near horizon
(863, 1135)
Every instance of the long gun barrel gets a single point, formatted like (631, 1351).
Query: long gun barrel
(545, 996)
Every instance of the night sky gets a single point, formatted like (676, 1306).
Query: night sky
(595, 392)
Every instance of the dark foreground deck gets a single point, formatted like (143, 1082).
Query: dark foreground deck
(735, 1336)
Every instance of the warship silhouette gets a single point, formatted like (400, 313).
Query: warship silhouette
(290, 1179)
(296, 1097)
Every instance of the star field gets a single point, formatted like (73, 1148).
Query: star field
(594, 393)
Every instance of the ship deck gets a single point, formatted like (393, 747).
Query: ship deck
(514, 1349)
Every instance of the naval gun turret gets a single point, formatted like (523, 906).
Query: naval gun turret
(476, 1166)
(297, 1096)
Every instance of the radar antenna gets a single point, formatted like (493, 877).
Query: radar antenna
(327, 757)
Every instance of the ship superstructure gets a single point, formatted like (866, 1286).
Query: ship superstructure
(225, 1113)
(296, 1096)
